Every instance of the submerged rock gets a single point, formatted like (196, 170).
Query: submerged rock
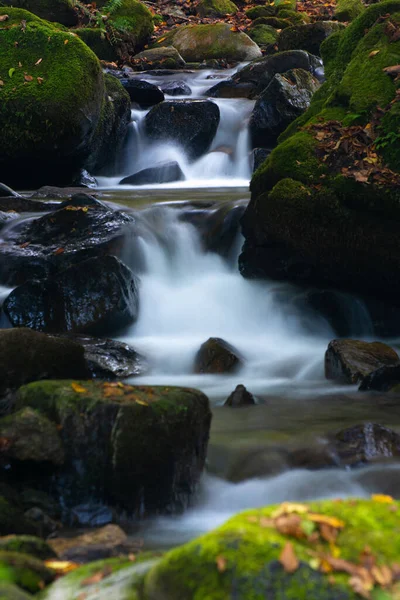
(176, 88)
(191, 124)
(98, 296)
(142, 92)
(240, 397)
(217, 356)
(362, 443)
(141, 449)
(349, 361)
(166, 172)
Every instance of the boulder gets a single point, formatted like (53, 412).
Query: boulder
(361, 444)
(259, 156)
(190, 123)
(240, 397)
(27, 544)
(141, 449)
(176, 88)
(296, 18)
(257, 555)
(287, 96)
(63, 99)
(166, 172)
(27, 355)
(60, 11)
(263, 35)
(143, 93)
(217, 356)
(81, 228)
(257, 12)
(349, 361)
(13, 520)
(99, 43)
(158, 58)
(98, 295)
(196, 43)
(29, 436)
(347, 10)
(104, 542)
(308, 36)
(25, 571)
(384, 379)
(274, 22)
(6, 192)
(131, 24)
(216, 8)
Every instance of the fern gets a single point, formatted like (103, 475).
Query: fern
(112, 6)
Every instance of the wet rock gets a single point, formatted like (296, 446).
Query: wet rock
(143, 93)
(259, 155)
(217, 356)
(196, 43)
(53, 192)
(81, 228)
(27, 355)
(109, 359)
(29, 436)
(85, 179)
(287, 96)
(13, 520)
(6, 217)
(6, 191)
(141, 449)
(177, 88)
(362, 443)
(349, 361)
(307, 37)
(20, 204)
(240, 397)
(34, 498)
(25, 571)
(166, 172)
(27, 544)
(231, 89)
(190, 123)
(383, 379)
(44, 524)
(97, 296)
(105, 542)
(158, 58)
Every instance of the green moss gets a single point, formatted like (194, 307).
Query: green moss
(328, 50)
(60, 11)
(25, 571)
(288, 4)
(97, 41)
(133, 19)
(296, 18)
(250, 550)
(274, 22)
(263, 35)
(27, 544)
(9, 591)
(217, 8)
(348, 10)
(389, 138)
(260, 11)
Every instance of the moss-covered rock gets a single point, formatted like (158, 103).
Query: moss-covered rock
(216, 8)
(98, 41)
(308, 36)
(27, 544)
(274, 22)
(256, 12)
(131, 25)
(348, 10)
(242, 558)
(52, 106)
(140, 448)
(158, 58)
(204, 42)
(263, 35)
(25, 571)
(60, 11)
(294, 17)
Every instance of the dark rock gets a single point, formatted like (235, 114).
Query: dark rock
(85, 179)
(287, 96)
(240, 397)
(363, 443)
(141, 449)
(29, 436)
(217, 356)
(176, 88)
(231, 89)
(162, 173)
(349, 361)
(27, 544)
(143, 93)
(6, 191)
(189, 123)
(59, 11)
(259, 155)
(81, 228)
(20, 204)
(158, 58)
(383, 379)
(220, 229)
(96, 296)
(307, 37)
(27, 355)
(52, 192)
(13, 520)
(44, 524)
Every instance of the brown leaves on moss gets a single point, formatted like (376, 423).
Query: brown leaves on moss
(288, 558)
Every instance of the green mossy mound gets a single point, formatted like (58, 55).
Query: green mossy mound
(27, 544)
(273, 22)
(60, 11)
(131, 25)
(294, 17)
(135, 447)
(263, 35)
(348, 10)
(317, 223)
(98, 42)
(308, 36)
(241, 558)
(23, 570)
(258, 12)
(204, 42)
(216, 8)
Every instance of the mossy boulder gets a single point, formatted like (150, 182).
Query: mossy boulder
(196, 43)
(99, 43)
(309, 219)
(131, 25)
(263, 35)
(294, 17)
(245, 558)
(348, 10)
(158, 58)
(53, 106)
(60, 11)
(216, 8)
(308, 36)
(25, 571)
(139, 448)
(274, 22)
(27, 544)
(256, 12)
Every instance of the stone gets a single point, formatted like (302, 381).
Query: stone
(27, 544)
(384, 379)
(347, 10)
(216, 8)
(9, 591)
(13, 520)
(133, 24)
(29, 436)
(176, 88)
(108, 433)
(217, 356)
(264, 35)
(60, 11)
(99, 43)
(142, 92)
(158, 58)
(287, 96)
(361, 444)
(308, 36)
(166, 172)
(196, 43)
(6, 191)
(109, 541)
(259, 156)
(97, 296)
(349, 361)
(240, 397)
(191, 124)
(44, 524)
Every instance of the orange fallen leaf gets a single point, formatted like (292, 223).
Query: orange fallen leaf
(328, 533)
(383, 498)
(39, 80)
(28, 77)
(66, 42)
(221, 563)
(79, 389)
(393, 70)
(61, 566)
(290, 525)
(58, 251)
(288, 558)
(373, 53)
(289, 507)
(331, 521)
(97, 577)
(3, 18)
(382, 575)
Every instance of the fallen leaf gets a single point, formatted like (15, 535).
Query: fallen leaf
(287, 508)
(382, 575)
(3, 18)
(393, 70)
(142, 402)
(221, 563)
(58, 251)
(28, 77)
(61, 566)
(66, 42)
(38, 62)
(79, 389)
(288, 558)
(11, 72)
(383, 498)
(97, 577)
(332, 521)
(358, 586)
(290, 525)
(373, 53)
(24, 245)
(328, 533)
(39, 80)
(1, 82)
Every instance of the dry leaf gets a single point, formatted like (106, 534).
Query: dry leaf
(393, 70)
(373, 53)
(328, 533)
(357, 585)
(3, 18)
(331, 521)
(39, 80)
(142, 402)
(288, 558)
(97, 577)
(58, 251)
(61, 566)
(287, 508)
(79, 389)
(221, 563)
(66, 42)
(290, 525)
(28, 77)
(383, 498)
(382, 575)
(38, 62)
